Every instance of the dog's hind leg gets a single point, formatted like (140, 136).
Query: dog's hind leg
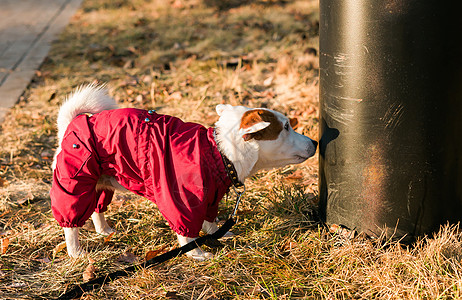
(197, 253)
(212, 227)
(72, 242)
(101, 225)
(104, 197)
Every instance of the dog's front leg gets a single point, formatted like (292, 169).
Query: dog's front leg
(72, 242)
(101, 226)
(212, 227)
(197, 253)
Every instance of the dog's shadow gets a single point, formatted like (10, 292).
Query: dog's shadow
(328, 135)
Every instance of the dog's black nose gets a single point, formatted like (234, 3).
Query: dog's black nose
(315, 144)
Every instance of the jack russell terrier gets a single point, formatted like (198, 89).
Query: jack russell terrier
(184, 168)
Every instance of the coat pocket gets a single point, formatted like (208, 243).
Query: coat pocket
(73, 156)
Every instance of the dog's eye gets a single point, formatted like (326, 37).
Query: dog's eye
(286, 126)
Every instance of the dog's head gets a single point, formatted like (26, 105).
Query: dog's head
(269, 132)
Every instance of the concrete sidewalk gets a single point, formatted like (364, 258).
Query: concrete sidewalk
(27, 28)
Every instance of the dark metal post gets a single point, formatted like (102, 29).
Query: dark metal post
(391, 115)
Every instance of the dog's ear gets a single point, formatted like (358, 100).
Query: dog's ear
(248, 132)
(252, 122)
(222, 107)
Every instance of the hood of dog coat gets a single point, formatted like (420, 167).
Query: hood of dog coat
(175, 164)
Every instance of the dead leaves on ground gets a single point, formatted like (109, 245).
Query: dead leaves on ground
(303, 178)
(4, 243)
(128, 257)
(108, 238)
(295, 176)
(61, 246)
(342, 232)
(3, 182)
(90, 271)
(153, 253)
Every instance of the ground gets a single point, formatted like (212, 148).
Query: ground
(183, 58)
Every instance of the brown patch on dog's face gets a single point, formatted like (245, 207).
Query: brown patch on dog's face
(255, 116)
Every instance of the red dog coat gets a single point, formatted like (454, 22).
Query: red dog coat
(176, 165)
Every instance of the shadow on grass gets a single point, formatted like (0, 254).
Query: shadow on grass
(186, 58)
(229, 4)
(167, 34)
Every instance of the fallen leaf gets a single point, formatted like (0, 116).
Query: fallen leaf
(108, 238)
(297, 175)
(333, 228)
(342, 231)
(294, 123)
(89, 273)
(46, 155)
(4, 243)
(127, 257)
(44, 260)
(3, 182)
(247, 212)
(59, 248)
(153, 253)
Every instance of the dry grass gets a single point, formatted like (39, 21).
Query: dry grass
(184, 57)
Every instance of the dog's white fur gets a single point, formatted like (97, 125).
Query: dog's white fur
(248, 156)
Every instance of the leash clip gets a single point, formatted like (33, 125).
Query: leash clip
(238, 200)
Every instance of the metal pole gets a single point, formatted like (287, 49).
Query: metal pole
(391, 115)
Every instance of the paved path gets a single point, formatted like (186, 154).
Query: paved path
(27, 28)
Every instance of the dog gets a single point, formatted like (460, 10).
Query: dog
(183, 167)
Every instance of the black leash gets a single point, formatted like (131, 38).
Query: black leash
(78, 290)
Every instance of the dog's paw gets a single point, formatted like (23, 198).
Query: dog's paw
(199, 254)
(196, 253)
(105, 231)
(101, 225)
(76, 253)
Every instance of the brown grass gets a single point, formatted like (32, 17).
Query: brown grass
(184, 57)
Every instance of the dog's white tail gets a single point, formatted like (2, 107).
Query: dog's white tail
(91, 99)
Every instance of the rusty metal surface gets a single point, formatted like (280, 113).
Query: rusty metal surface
(391, 115)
